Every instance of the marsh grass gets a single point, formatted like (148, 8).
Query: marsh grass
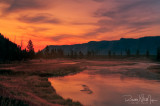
(4, 101)
(29, 85)
(10, 72)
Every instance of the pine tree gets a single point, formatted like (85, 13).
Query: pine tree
(30, 49)
(30, 46)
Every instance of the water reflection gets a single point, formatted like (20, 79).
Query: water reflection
(106, 86)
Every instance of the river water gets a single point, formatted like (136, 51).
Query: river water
(111, 85)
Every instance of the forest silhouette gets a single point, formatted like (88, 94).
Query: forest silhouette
(10, 51)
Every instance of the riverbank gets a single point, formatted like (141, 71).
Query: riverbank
(107, 81)
(26, 83)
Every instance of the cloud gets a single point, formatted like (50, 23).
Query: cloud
(82, 23)
(128, 6)
(95, 32)
(99, 0)
(131, 15)
(91, 34)
(20, 5)
(105, 17)
(39, 18)
(31, 28)
(5, 1)
(62, 36)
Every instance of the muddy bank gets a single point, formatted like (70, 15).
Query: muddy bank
(27, 83)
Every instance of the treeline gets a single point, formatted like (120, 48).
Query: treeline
(10, 51)
(50, 53)
(59, 53)
(128, 53)
(54, 53)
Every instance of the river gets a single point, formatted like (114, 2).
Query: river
(111, 84)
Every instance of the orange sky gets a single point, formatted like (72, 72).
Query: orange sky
(63, 22)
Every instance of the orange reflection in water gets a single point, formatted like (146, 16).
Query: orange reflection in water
(99, 89)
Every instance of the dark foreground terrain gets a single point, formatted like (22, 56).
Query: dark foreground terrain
(26, 83)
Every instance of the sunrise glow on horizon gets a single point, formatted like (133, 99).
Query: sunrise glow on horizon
(65, 22)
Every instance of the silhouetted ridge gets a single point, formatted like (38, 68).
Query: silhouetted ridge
(120, 47)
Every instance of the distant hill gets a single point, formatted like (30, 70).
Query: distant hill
(8, 49)
(118, 46)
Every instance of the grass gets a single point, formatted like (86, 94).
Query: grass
(27, 84)
(4, 101)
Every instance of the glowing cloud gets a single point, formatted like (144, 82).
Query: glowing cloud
(60, 22)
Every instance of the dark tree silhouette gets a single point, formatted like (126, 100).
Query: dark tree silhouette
(128, 52)
(46, 52)
(109, 53)
(147, 53)
(71, 54)
(89, 53)
(121, 53)
(30, 46)
(53, 53)
(158, 53)
(30, 49)
(114, 53)
(75, 54)
(8, 50)
(92, 53)
(137, 52)
(60, 53)
(39, 54)
(81, 55)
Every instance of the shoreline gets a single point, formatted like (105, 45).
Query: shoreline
(21, 85)
(27, 83)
